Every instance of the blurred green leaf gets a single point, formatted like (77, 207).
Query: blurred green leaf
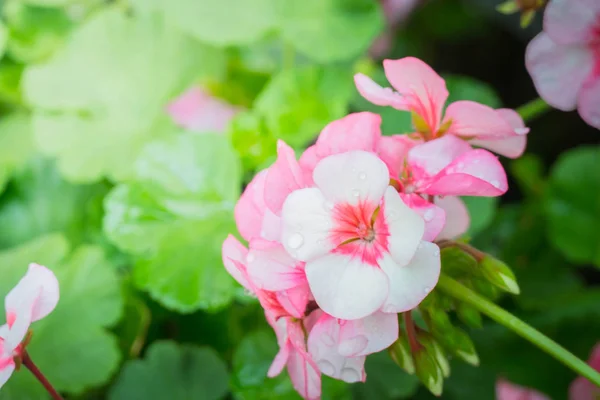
(100, 98)
(223, 22)
(16, 144)
(385, 380)
(467, 88)
(253, 141)
(330, 30)
(174, 218)
(572, 205)
(481, 211)
(528, 170)
(39, 201)
(298, 103)
(3, 38)
(71, 345)
(10, 80)
(172, 371)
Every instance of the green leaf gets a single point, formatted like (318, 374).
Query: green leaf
(16, 144)
(39, 201)
(223, 22)
(251, 361)
(172, 371)
(101, 98)
(174, 218)
(3, 38)
(330, 30)
(298, 103)
(71, 346)
(466, 88)
(253, 141)
(481, 211)
(573, 205)
(385, 380)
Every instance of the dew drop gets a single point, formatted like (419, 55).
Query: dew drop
(355, 192)
(326, 367)
(436, 252)
(429, 214)
(362, 176)
(392, 215)
(426, 289)
(295, 241)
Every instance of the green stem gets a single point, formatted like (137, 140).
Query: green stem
(533, 109)
(460, 292)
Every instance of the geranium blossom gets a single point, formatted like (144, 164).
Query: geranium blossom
(33, 298)
(420, 90)
(198, 111)
(564, 60)
(506, 390)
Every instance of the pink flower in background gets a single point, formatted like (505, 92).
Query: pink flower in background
(564, 60)
(583, 389)
(395, 13)
(33, 298)
(361, 243)
(420, 90)
(506, 390)
(198, 111)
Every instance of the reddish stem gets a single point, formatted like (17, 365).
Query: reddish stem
(40, 377)
(411, 332)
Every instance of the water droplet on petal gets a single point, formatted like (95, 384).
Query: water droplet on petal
(351, 347)
(295, 241)
(326, 367)
(362, 176)
(392, 216)
(355, 192)
(350, 375)
(436, 252)
(426, 289)
(429, 214)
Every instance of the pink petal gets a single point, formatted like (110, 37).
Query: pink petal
(378, 95)
(345, 287)
(476, 173)
(457, 217)
(270, 267)
(594, 360)
(368, 335)
(7, 367)
(411, 283)
(234, 258)
(568, 21)
(509, 391)
(558, 71)
(295, 300)
(283, 177)
(406, 227)
(279, 362)
(583, 389)
(393, 151)
(306, 220)
(198, 111)
(308, 161)
(434, 216)
(353, 177)
(474, 120)
(304, 375)
(512, 147)
(423, 89)
(589, 100)
(250, 208)
(430, 158)
(322, 345)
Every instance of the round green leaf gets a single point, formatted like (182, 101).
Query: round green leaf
(16, 144)
(573, 205)
(330, 30)
(99, 99)
(172, 371)
(71, 346)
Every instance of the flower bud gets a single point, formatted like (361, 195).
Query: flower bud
(401, 354)
(469, 315)
(429, 371)
(436, 350)
(457, 263)
(463, 347)
(499, 274)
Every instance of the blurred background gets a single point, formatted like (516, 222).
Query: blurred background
(128, 129)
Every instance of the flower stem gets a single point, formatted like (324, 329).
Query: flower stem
(411, 332)
(460, 292)
(533, 109)
(40, 377)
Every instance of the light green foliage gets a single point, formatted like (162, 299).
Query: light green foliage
(573, 205)
(175, 216)
(98, 100)
(3, 38)
(16, 144)
(71, 345)
(172, 371)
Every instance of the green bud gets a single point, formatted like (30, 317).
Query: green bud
(526, 18)
(463, 347)
(436, 350)
(499, 274)
(457, 263)
(508, 7)
(438, 320)
(469, 315)
(400, 352)
(485, 288)
(429, 371)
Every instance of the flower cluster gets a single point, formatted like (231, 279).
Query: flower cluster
(33, 298)
(342, 240)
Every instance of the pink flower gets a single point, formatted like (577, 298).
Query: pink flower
(395, 13)
(583, 389)
(506, 390)
(564, 60)
(362, 244)
(420, 90)
(33, 298)
(198, 111)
